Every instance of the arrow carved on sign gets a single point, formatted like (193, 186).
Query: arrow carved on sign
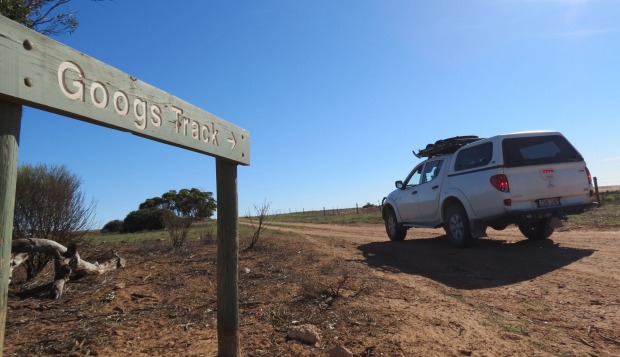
(233, 141)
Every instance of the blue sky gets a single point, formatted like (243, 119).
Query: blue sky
(336, 94)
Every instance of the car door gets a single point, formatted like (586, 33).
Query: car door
(406, 196)
(427, 193)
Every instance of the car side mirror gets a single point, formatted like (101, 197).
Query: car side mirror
(399, 184)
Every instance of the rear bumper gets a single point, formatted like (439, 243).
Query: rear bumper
(541, 213)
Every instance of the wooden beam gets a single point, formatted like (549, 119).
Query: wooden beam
(10, 123)
(227, 259)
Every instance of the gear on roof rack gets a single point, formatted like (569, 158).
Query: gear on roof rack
(445, 146)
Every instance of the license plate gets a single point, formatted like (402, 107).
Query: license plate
(549, 202)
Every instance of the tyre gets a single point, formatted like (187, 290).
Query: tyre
(538, 230)
(394, 231)
(457, 227)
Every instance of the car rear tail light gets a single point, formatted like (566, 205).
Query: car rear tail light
(500, 182)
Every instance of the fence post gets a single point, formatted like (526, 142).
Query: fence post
(10, 123)
(357, 209)
(227, 259)
(598, 197)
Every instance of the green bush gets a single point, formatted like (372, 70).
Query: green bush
(144, 219)
(115, 226)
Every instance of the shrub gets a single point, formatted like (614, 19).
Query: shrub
(260, 221)
(207, 236)
(49, 204)
(143, 220)
(115, 226)
(177, 227)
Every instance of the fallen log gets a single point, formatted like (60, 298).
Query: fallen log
(67, 261)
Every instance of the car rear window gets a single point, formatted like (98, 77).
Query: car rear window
(477, 156)
(538, 150)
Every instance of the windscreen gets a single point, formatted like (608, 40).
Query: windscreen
(538, 150)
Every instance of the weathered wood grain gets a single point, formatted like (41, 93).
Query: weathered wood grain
(10, 123)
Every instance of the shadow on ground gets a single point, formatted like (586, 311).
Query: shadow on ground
(489, 264)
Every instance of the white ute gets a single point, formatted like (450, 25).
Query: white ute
(466, 184)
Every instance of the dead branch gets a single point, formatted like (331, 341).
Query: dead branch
(16, 260)
(32, 245)
(67, 261)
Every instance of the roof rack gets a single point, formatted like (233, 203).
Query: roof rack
(445, 146)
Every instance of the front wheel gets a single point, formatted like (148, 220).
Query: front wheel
(457, 227)
(538, 230)
(394, 232)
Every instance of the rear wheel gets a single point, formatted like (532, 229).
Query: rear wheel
(394, 231)
(538, 230)
(457, 227)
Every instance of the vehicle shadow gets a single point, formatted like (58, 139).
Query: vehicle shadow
(490, 263)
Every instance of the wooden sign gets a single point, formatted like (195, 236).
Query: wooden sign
(42, 73)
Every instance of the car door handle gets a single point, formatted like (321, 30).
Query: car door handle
(414, 192)
(435, 187)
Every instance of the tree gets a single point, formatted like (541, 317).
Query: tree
(188, 203)
(155, 202)
(194, 204)
(49, 204)
(41, 15)
(175, 212)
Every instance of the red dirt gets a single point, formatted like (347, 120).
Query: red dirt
(420, 297)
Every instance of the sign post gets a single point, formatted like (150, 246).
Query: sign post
(227, 259)
(10, 123)
(40, 72)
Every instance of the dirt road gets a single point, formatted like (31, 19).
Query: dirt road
(505, 297)
(420, 297)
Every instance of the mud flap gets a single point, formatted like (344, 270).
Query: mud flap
(478, 229)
